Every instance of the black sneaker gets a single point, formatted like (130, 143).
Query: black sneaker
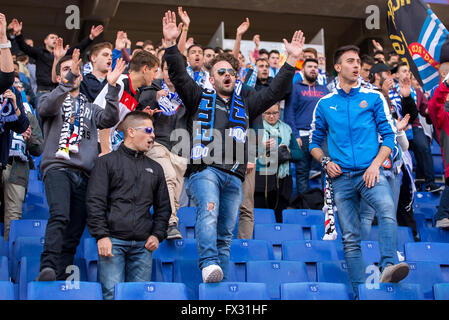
(173, 233)
(434, 188)
(46, 274)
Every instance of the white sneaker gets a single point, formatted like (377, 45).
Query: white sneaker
(443, 223)
(212, 273)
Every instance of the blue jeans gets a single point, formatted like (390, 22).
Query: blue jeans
(443, 209)
(131, 262)
(367, 212)
(218, 196)
(420, 145)
(349, 188)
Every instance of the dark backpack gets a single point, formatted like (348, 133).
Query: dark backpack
(312, 199)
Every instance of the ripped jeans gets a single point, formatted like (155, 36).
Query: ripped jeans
(218, 196)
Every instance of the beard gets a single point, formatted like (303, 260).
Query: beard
(310, 78)
(221, 90)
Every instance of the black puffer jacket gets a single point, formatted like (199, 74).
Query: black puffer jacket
(123, 185)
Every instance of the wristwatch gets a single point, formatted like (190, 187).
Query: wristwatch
(6, 45)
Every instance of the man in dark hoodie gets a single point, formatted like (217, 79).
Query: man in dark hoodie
(70, 126)
(299, 113)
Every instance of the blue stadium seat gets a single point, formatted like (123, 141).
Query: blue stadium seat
(246, 250)
(426, 274)
(35, 211)
(29, 268)
(90, 253)
(191, 278)
(438, 165)
(60, 290)
(370, 252)
(404, 235)
(25, 228)
(309, 250)
(275, 234)
(334, 272)
(441, 291)
(427, 251)
(390, 291)
(304, 217)
(264, 216)
(150, 291)
(314, 291)
(2, 229)
(427, 197)
(187, 217)
(170, 250)
(7, 290)
(422, 221)
(435, 148)
(434, 235)
(4, 247)
(233, 291)
(273, 273)
(25, 247)
(4, 268)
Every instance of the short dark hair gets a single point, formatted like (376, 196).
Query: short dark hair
(147, 43)
(263, 51)
(208, 48)
(60, 62)
(401, 64)
(193, 46)
(141, 59)
(379, 52)
(342, 50)
(98, 47)
(132, 117)
(271, 52)
(228, 58)
(262, 59)
(310, 60)
(367, 59)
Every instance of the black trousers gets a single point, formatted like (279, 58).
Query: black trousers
(66, 196)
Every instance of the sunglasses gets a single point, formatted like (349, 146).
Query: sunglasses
(222, 71)
(148, 130)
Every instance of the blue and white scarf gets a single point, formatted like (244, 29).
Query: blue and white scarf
(203, 125)
(396, 102)
(201, 78)
(169, 104)
(7, 112)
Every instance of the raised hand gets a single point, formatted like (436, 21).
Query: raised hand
(256, 40)
(113, 75)
(76, 62)
(377, 46)
(243, 28)
(294, 48)
(60, 51)
(402, 123)
(170, 31)
(184, 17)
(3, 27)
(190, 42)
(406, 87)
(120, 41)
(95, 31)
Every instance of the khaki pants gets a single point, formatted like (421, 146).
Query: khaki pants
(14, 196)
(174, 169)
(246, 215)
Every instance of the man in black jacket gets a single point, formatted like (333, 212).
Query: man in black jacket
(219, 149)
(124, 184)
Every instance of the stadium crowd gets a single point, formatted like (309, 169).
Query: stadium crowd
(122, 128)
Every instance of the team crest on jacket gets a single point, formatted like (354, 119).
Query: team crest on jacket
(363, 104)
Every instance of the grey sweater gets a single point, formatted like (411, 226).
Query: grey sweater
(95, 117)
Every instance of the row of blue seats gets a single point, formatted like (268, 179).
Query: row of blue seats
(272, 273)
(175, 252)
(60, 290)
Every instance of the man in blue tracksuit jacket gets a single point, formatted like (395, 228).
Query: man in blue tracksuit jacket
(353, 118)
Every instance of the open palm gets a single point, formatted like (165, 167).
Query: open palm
(170, 31)
(295, 47)
(113, 75)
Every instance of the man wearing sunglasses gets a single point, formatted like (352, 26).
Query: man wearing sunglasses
(218, 157)
(123, 186)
